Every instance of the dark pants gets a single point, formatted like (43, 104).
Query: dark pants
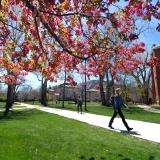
(79, 107)
(122, 117)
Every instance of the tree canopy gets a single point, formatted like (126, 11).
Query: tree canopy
(58, 34)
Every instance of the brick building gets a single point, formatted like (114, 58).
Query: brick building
(156, 77)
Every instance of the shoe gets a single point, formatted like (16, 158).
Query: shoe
(110, 127)
(129, 129)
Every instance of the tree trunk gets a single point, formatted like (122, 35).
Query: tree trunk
(112, 85)
(44, 92)
(125, 90)
(145, 95)
(103, 99)
(10, 98)
(144, 90)
(108, 89)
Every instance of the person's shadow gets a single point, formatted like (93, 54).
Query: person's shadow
(129, 132)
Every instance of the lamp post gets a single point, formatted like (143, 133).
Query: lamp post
(64, 88)
(85, 88)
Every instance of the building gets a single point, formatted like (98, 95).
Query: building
(156, 76)
(93, 95)
(70, 92)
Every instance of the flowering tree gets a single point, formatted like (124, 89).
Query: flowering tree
(77, 30)
(69, 27)
(12, 71)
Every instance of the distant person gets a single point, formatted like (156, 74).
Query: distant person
(117, 102)
(79, 104)
(33, 100)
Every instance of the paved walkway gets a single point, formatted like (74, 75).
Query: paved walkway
(144, 130)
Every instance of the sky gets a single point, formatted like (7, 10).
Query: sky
(32, 80)
(151, 36)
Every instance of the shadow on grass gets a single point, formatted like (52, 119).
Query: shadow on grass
(151, 158)
(120, 155)
(105, 158)
(91, 158)
(16, 115)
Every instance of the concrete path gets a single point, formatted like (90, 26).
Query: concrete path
(144, 130)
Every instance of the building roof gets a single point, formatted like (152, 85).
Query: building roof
(156, 47)
(93, 90)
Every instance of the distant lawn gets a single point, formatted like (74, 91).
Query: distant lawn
(156, 106)
(134, 112)
(2, 105)
(36, 135)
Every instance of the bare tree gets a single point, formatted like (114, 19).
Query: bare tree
(142, 76)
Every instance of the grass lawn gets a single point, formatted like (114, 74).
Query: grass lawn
(156, 106)
(2, 105)
(134, 112)
(36, 135)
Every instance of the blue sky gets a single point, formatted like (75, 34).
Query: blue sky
(31, 79)
(151, 36)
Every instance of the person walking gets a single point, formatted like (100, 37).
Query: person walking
(117, 102)
(79, 104)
